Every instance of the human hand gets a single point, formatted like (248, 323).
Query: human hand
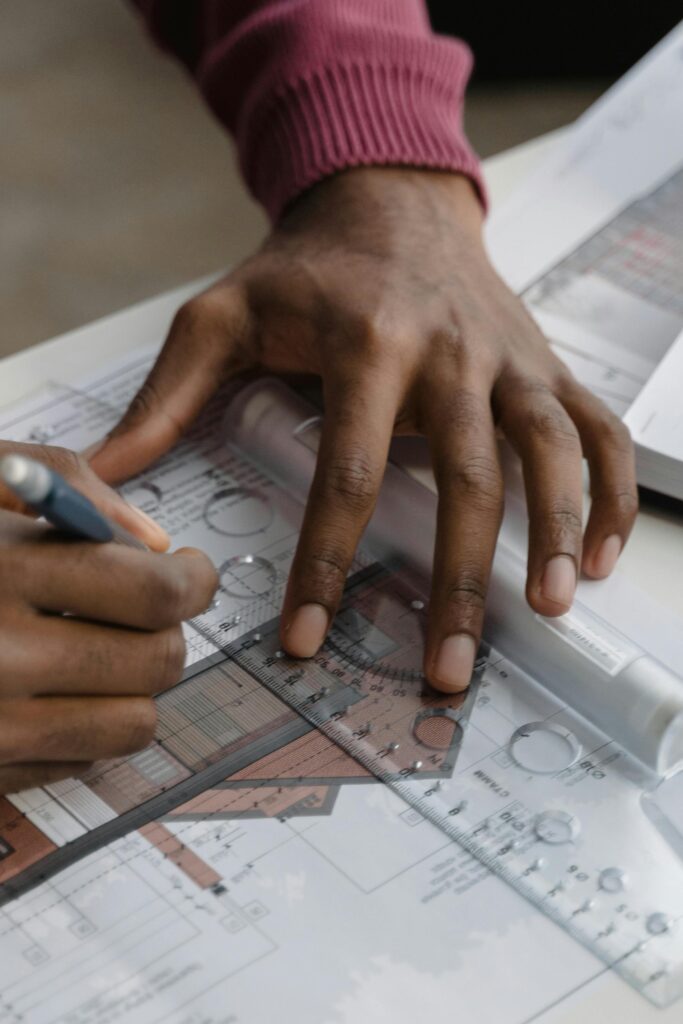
(78, 688)
(378, 281)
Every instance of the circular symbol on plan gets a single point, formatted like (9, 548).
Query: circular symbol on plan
(659, 924)
(612, 880)
(145, 496)
(544, 748)
(247, 577)
(437, 728)
(238, 512)
(556, 827)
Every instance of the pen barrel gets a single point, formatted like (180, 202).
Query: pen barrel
(629, 695)
(73, 513)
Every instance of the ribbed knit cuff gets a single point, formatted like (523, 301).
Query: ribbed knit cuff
(356, 113)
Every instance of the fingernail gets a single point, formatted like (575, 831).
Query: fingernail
(607, 556)
(151, 524)
(91, 451)
(559, 580)
(455, 662)
(307, 630)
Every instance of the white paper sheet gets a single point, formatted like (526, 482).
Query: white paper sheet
(593, 241)
(594, 174)
(656, 417)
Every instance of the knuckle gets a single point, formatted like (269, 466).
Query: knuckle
(195, 314)
(186, 316)
(170, 658)
(324, 571)
(466, 590)
(203, 582)
(370, 338)
(563, 381)
(370, 331)
(478, 479)
(563, 519)
(453, 411)
(627, 504)
(166, 593)
(141, 725)
(70, 464)
(622, 505)
(614, 434)
(463, 409)
(145, 401)
(449, 345)
(551, 425)
(351, 480)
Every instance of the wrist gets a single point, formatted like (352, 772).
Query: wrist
(377, 194)
(461, 194)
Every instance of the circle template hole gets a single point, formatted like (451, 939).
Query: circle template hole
(556, 827)
(544, 748)
(238, 512)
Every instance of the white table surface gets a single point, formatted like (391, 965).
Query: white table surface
(653, 558)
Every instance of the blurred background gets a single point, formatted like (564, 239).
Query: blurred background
(116, 184)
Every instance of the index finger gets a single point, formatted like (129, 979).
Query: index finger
(204, 347)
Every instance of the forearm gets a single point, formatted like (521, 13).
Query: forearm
(312, 88)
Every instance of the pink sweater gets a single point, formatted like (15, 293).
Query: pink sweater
(311, 87)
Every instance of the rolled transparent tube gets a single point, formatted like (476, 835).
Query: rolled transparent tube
(633, 698)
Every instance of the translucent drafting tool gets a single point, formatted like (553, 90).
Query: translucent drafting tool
(216, 859)
(551, 762)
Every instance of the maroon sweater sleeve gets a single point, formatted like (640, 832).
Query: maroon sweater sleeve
(311, 87)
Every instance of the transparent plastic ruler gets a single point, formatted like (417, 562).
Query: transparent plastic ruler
(548, 804)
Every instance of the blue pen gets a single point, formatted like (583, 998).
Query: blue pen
(49, 494)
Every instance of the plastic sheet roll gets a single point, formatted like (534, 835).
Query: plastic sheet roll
(590, 666)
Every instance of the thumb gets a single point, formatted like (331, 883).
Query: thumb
(76, 470)
(200, 352)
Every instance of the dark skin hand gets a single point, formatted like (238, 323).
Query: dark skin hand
(77, 688)
(378, 281)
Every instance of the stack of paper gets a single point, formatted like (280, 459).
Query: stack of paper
(593, 242)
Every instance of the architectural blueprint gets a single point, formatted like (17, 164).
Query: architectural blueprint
(243, 866)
